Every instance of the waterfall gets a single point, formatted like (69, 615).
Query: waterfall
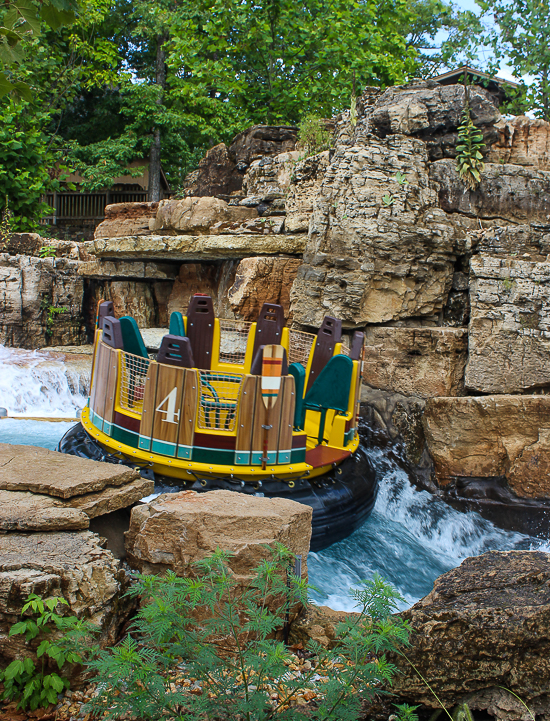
(43, 383)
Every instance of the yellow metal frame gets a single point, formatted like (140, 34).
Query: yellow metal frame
(186, 470)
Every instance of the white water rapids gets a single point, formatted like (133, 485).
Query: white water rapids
(410, 538)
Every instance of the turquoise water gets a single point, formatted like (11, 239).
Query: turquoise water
(410, 538)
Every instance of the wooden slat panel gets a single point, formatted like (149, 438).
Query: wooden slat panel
(97, 337)
(149, 397)
(284, 446)
(166, 419)
(189, 410)
(273, 420)
(110, 390)
(245, 420)
(100, 382)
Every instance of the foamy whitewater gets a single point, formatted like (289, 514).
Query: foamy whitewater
(410, 538)
(40, 384)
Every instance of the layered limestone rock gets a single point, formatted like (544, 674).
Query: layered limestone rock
(196, 247)
(262, 280)
(509, 332)
(379, 248)
(176, 530)
(509, 193)
(491, 437)
(522, 141)
(30, 288)
(107, 269)
(304, 185)
(432, 112)
(126, 219)
(72, 565)
(488, 620)
(213, 279)
(20, 511)
(423, 362)
(269, 178)
(144, 300)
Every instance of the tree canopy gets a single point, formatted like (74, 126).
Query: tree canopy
(94, 86)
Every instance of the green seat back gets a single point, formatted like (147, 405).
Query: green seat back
(131, 337)
(298, 372)
(177, 326)
(331, 389)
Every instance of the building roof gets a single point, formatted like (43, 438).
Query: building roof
(454, 76)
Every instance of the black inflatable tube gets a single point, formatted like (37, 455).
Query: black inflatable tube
(341, 500)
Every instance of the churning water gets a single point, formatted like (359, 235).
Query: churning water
(411, 537)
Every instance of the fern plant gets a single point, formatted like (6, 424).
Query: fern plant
(469, 159)
(37, 685)
(223, 637)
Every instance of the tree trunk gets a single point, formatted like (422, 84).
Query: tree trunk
(154, 155)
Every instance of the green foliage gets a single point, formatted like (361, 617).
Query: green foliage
(52, 311)
(401, 178)
(47, 251)
(388, 200)
(23, 20)
(36, 687)
(462, 713)
(521, 37)
(5, 225)
(313, 137)
(469, 158)
(232, 652)
(406, 712)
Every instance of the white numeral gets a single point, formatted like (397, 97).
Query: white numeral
(170, 411)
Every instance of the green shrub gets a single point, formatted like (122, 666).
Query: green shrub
(223, 635)
(23, 681)
(469, 158)
(313, 137)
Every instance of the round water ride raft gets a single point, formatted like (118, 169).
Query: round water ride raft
(251, 407)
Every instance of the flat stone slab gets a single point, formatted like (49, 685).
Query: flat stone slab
(111, 498)
(196, 247)
(23, 511)
(29, 468)
(128, 269)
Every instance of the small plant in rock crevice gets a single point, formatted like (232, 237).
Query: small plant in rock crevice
(222, 635)
(52, 311)
(469, 158)
(37, 685)
(47, 251)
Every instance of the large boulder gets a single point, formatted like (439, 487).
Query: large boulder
(432, 112)
(29, 288)
(261, 140)
(492, 437)
(262, 280)
(73, 566)
(216, 175)
(213, 279)
(176, 530)
(422, 362)
(509, 336)
(378, 249)
(483, 629)
(522, 141)
(196, 216)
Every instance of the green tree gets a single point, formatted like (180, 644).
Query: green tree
(522, 36)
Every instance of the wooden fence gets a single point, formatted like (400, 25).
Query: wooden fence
(88, 206)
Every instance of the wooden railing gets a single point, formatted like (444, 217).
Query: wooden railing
(88, 206)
